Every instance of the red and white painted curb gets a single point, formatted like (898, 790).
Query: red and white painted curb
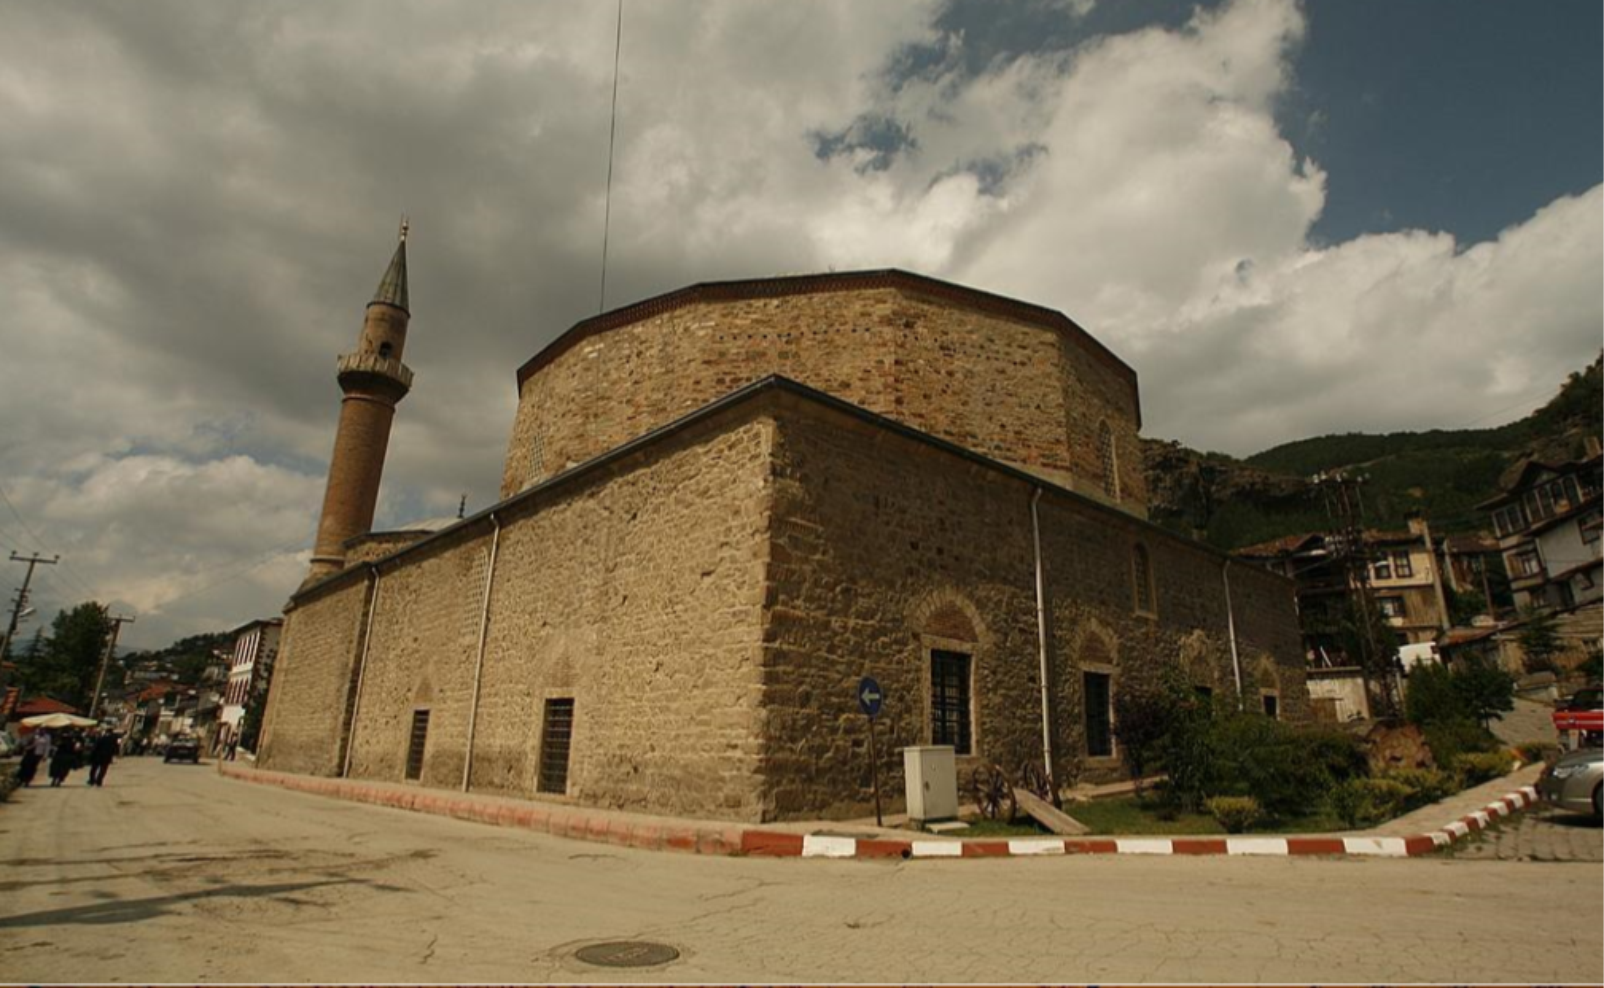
(735, 839)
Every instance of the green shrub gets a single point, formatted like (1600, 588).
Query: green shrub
(1235, 813)
(1484, 766)
(1449, 740)
(1363, 802)
(1425, 785)
(1256, 756)
(1340, 753)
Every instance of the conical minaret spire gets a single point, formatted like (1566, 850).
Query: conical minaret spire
(393, 286)
(374, 380)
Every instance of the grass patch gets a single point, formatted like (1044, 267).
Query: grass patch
(1129, 815)
(1025, 827)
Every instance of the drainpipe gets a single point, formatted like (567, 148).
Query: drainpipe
(1041, 642)
(479, 661)
(362, 667)
(1230, 627)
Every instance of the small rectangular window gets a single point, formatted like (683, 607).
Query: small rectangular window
(949, 701)
(1099, 714)
(1382, 568)
(1402, 565)
(1391, 607)
(555, 740)
(1272, 706)
(415, 744)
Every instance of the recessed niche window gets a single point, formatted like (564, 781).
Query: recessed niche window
(1099, 697)
(1142, 578)
(949, 701)
(385, 350)
(1110, 462)
(556, 737)
(416, 742)
(1272, 705)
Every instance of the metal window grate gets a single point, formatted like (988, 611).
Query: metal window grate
(555, 739)
(949, 700)
(419, 737)
(1099, 722)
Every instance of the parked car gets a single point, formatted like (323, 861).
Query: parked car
(1575, 782)
(1582, 713)
(184, 748)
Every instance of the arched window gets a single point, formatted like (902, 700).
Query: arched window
(1105, 455)
(1142, 578)
(384, 350)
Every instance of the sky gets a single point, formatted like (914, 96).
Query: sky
(1290, 219)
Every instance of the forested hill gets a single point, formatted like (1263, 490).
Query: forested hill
(1442, 473)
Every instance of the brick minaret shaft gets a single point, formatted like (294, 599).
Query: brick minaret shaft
(373, 379)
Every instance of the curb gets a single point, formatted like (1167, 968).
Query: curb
(736, 839)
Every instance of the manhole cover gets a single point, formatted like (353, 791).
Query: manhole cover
(627, 953)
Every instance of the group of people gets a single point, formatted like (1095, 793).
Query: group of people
(65, 751)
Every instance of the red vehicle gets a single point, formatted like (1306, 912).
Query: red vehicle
(1580, 718)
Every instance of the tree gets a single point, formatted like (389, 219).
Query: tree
(1372, 643)
(66, 664)
(1486, 692)
(1539, 641)
(250, 728)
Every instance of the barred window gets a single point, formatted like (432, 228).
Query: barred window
(416, 742)
(949, 701)
(1099, 697)
(556, 738)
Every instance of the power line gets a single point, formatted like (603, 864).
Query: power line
(272, 555)
(612, 134)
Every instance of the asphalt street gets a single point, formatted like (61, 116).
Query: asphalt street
(173, 874)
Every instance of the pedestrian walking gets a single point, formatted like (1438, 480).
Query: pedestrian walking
(37, 751)
(63, 760)
(101, 753)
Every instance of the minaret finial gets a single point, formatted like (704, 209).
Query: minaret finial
(406, 224)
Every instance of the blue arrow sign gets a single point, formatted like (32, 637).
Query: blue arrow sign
(869, 696)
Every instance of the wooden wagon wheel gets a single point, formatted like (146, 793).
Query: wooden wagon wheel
(1033, 778)
(994, 793)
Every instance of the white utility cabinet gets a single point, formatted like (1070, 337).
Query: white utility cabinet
(932, 776)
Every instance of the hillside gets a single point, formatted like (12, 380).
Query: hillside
(1442, 473)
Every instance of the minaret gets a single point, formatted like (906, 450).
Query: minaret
(373, 379)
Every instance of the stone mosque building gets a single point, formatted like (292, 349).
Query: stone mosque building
(724, 506)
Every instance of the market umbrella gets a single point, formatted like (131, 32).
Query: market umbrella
(58, 721)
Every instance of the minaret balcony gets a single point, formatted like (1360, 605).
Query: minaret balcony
(359, 366)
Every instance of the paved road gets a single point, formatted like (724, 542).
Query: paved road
(1543, 834)
(171, 873)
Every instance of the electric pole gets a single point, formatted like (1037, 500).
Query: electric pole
(17, 606)
(105, 660)
(1345, 508)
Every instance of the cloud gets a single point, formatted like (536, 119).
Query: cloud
(195, 204)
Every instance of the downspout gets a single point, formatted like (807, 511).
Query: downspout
(361, 669)
(1230, 627)
(479, 661)
(1041, 641)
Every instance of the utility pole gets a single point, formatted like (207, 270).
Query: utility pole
(1346, 510)
(17, 605)
(105, 660)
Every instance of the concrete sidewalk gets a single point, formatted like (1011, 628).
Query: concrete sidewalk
(1417, 833)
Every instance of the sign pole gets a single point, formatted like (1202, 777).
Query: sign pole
(874, 759)
(870, 698)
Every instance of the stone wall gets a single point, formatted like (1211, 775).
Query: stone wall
(304, 725)
(632, 589)
(1020, 391)
(885, 548)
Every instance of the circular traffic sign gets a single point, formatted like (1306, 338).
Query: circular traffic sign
(869, 696)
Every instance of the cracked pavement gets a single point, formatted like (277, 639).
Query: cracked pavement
(172, 874)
